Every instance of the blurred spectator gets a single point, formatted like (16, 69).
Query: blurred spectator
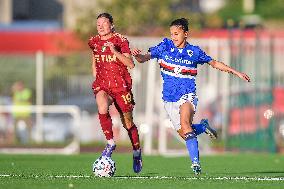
(6, 124)
(22, 115)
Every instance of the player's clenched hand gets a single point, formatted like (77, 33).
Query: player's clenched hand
(136, 52)
(243, 76)
(141, 58)
(111, 46)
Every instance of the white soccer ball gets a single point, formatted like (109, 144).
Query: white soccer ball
(104, 167)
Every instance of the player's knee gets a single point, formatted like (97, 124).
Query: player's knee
(102, 105)
(128, 124)
(103, 108)
(127, 120)
(131, 126)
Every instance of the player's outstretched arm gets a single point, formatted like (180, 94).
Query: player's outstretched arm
(141, 58)
(223, 67)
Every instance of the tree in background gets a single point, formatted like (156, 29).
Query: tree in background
(135, 17)
(270, 11)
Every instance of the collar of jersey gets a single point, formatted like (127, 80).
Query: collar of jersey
(173, 45)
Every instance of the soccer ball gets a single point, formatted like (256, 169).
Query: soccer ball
(104, 167)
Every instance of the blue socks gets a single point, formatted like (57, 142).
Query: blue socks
(192, 147)
(198, 128)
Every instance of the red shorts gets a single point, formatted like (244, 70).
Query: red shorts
(122, 99)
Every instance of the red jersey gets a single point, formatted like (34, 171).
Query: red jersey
(111, 73)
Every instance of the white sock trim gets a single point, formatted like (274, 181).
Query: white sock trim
(111, 142)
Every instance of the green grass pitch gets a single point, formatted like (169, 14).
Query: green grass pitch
(74, 171)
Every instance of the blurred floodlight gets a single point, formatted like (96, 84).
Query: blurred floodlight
(268, 114)
(144, 128)
(211, 6)
(281, 129)
(22, 125)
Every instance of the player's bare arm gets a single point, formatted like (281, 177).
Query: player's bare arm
(223, 67)
(141, 58)
(125, 58)
(94, 70)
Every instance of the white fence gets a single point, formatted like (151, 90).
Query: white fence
(74, 111)
(213, 88)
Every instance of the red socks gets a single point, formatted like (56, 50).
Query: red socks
(134, 137)
(106, 124)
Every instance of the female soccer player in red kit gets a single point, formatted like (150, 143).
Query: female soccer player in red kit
(113, 84)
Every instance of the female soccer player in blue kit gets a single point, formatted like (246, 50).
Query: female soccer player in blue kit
(178, 62)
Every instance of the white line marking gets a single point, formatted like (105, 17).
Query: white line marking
(150, 177)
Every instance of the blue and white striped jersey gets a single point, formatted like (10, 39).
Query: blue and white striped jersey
(178, 68)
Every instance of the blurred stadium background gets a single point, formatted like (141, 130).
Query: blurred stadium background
(43, 44)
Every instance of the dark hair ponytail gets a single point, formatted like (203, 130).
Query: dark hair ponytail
(182, 22)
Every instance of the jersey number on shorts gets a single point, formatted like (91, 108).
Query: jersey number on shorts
(127, 98)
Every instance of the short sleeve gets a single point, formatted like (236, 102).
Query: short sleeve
(92, 43)
(203, 57)
(156, 51)
(125, 47)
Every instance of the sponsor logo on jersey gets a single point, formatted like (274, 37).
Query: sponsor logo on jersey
(105, 58)
(103, 48)
(177, 60)
(177, 70)
(190, 53)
